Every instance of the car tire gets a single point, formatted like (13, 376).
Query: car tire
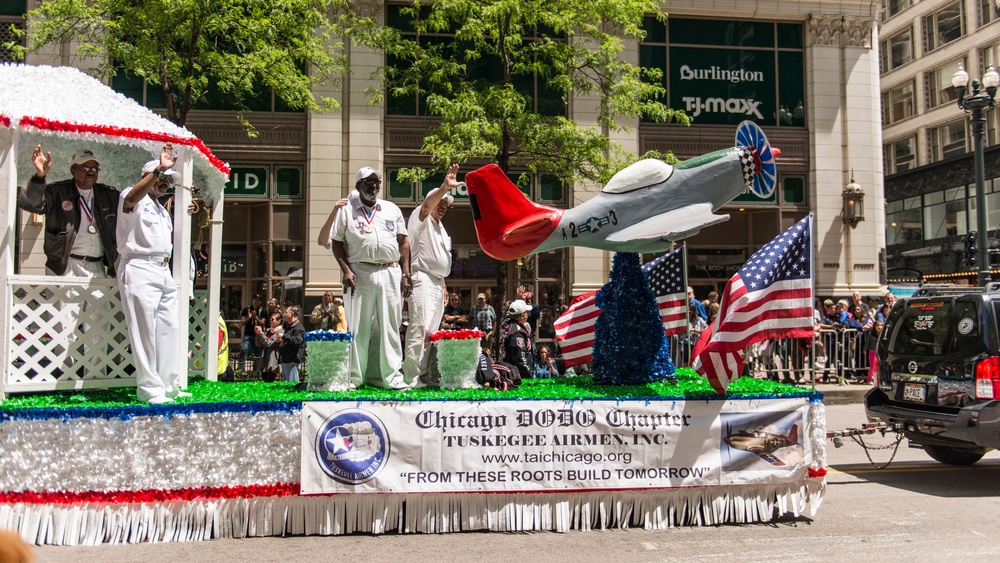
(954, 456)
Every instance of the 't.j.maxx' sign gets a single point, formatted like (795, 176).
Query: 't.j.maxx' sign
(724, 86)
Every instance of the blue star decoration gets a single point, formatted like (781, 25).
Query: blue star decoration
(340, 442)
(630, 347)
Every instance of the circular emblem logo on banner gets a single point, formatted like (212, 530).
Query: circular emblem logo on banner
(352, 446)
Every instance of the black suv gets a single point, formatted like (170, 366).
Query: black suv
(939, 371)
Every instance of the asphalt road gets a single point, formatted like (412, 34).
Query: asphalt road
(913, 510)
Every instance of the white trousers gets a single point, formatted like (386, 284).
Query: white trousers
(75, 307)
(149, 300)
(376, 314)
(426, 305)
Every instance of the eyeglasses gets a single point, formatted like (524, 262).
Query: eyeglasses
(90, 168)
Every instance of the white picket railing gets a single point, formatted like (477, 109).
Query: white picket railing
(69, 333)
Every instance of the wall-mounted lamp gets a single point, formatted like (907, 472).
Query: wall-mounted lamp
(854, 203)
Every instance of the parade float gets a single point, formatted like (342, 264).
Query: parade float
(83, 466)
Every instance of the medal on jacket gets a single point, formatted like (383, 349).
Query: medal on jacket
(90, 216)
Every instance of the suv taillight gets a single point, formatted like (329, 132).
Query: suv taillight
(988, 378)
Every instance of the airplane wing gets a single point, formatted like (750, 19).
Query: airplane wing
(675, 224)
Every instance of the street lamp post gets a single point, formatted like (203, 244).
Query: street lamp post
(976, 105)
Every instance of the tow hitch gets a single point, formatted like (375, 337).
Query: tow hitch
(877, 426)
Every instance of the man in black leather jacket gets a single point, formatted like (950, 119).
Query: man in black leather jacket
(516, 347)
(80, 216)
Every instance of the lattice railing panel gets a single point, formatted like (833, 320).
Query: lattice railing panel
(72, 335)
(198, 327)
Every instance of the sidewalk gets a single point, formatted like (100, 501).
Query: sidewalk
(834, 394)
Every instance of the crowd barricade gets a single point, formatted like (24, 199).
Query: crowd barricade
(840, 356)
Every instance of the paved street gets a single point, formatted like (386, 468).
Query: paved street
(914, 510)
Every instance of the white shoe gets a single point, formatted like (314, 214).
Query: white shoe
(160, 400)
(182, 395)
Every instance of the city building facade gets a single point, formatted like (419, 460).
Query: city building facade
(807, 72)
(927, 149)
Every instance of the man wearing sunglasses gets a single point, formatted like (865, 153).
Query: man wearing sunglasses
(149, 294)
(371, 247)
(80, 216)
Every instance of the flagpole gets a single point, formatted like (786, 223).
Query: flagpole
(812, 291)
(687, 328)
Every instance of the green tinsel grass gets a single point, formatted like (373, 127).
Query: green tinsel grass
(689, 385)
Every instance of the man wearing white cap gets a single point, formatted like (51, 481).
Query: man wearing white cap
(371, 247)
(430, 262)
(149, 295)
(80, 216)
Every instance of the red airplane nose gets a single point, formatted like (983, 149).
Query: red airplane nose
(508, 224)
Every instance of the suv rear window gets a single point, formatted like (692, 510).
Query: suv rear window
(933, 327)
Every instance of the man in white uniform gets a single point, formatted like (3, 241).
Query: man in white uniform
(370, 244)
(430, 262)
(149, 295)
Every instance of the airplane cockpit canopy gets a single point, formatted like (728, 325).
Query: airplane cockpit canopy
(642, 174)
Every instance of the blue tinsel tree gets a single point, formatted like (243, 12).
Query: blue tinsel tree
(629, 344)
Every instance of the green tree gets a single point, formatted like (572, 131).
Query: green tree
(236, 49)
(499, 74)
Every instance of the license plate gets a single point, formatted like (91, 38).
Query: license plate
(914, 392)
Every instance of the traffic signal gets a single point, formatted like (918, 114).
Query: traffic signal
(971, 251)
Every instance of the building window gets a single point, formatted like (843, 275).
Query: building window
(11, 16)
(987, 10)
(946, 141)
(793, 190)
(945, 213)
(152, 96)
(900, 155)
(892, 7)
(723, 72)
(992, 203)
(897, 103)
(943, 27)
(896, 51)
(902, 219)
(937, 84)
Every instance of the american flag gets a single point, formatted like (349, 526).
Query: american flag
(575, 327)
(575, 330)
(666, 279)
(769, 297)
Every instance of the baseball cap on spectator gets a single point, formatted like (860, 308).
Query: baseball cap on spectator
(365, 172)
(481, 296)
(84, 155)
(152, 164)
(516, 308)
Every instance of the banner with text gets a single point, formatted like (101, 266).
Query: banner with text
(513, 446)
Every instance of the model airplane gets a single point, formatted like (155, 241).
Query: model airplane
(764, 444)
(643, 208)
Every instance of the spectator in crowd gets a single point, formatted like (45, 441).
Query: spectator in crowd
(324, 315)
(545, 367)
(273, 307)
(517, 345)
(829, 324)
(888, 300)
(699, 308)
(857, 300)
(484, 318)
(292, 345)
(269, 341)
(252, 317)
(872, 343)
(454, 315)
(843, 311)
(860, 322)
(534, 313)
(430, 262)
(696, 324)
